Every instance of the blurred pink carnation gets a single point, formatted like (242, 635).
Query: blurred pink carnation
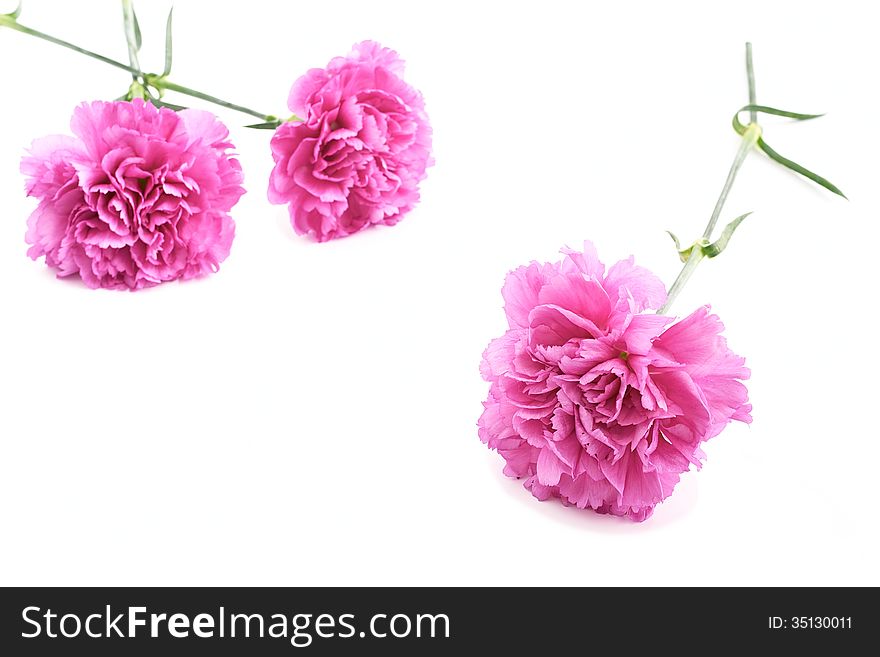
(140, 196)
(358, 156)
(594, 400)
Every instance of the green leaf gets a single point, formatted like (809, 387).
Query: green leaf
(716, 247)
(683, 254)
(797, 168)
(137, 30)
(740, 128)
(17, 11)
(269, 125)
(161, 103)
(168, 48)
(763, 109)
(776, 157)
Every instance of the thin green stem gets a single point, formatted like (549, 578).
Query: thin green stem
(750, 72)
(161, 83)
(18, 27)
(752, 133)
(749, 139)
(696, 255)
(156, 81)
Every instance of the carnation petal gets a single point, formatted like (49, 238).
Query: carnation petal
(586, 492)
(578, 295)
(641, 332)
(549, 468)
(585, 261)
(625, 278)
(520, 293)
(554, 325)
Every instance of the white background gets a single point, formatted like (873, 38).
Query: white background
(308, 415)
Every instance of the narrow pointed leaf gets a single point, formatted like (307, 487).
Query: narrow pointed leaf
(763, 109)
(269, 125)
(17, 11)
(740, 128)
(168, 48)
(161, 103)
(773, 155)
(683, 254)
(797, 168)
(716, 247)
(138, 41)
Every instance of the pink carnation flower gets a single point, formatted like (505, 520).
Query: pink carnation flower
(358, 156)
(140, 196)
(597, 402)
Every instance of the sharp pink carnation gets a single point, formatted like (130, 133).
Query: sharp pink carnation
(138, 197)
(359, 155)
(597, 402)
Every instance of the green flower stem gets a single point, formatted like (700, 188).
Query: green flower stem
(156, 81)
(750, 72)
(161, 83)
(12, 24)
(749, 138)
(690, 265)
(748, 141)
